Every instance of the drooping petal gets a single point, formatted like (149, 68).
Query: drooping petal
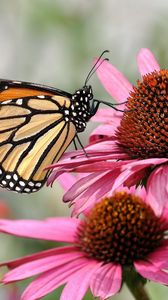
(95, 192)
(81, 185)
(66, 180)
(106, 281)
(157, 189)
(102, 151)
(42, 265)
(133, 172)
(147, 63)
(79, 283)
(96, 152)
(114, 82)
(100, 166)
(151, 272)
(147, 162)
(56, 229)
(50, 280)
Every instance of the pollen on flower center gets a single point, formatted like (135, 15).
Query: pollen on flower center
(143, 131)
(120, 229)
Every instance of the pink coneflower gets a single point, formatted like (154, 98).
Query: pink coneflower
(119, 238)
(132, 146)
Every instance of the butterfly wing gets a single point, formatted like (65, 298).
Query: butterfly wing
(10, 89)
(34, 132)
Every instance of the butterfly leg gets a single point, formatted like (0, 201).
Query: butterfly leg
(80, 143)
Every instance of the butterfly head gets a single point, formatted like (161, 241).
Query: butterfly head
(87, 90)
(84, 94)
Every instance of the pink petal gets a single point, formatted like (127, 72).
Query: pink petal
(49, 281)
(159, 257)
(157, 189)
(95, 192)
(102, 132)
(66, 180)
(107, 115)
(114, 82)
(143, 163)
(151, 272)
(77, 286)
(92, 195)
(93, 181)
(133, 172)
(97, 151)
(40, 266)
(80, 186)
(106, 281)
(147, 62)
(46, 253)
(56, 229)
(99, 165)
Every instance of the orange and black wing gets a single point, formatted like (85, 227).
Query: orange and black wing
(34, 132)
(11, 89)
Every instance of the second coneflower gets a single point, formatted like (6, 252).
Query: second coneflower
(121, 239)
(131, 146)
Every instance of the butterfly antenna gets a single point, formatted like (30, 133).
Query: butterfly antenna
(96, 66)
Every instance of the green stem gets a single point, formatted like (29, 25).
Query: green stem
(139, 292)
(135, 283)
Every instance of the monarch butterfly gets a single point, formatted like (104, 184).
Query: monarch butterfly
(37, 123)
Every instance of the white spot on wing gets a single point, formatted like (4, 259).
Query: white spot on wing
(11, 184)
(18, 82)
(27, 190)
(19, 101)
(41, 96)
(6, 102)
(17, 188)
(15, 177)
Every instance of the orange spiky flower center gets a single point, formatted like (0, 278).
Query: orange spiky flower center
(120, 229)
(143, 131)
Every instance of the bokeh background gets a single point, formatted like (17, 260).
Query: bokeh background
(54, 43)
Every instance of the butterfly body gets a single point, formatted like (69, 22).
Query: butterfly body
(37, 124)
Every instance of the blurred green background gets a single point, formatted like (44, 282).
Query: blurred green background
(54, 43)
